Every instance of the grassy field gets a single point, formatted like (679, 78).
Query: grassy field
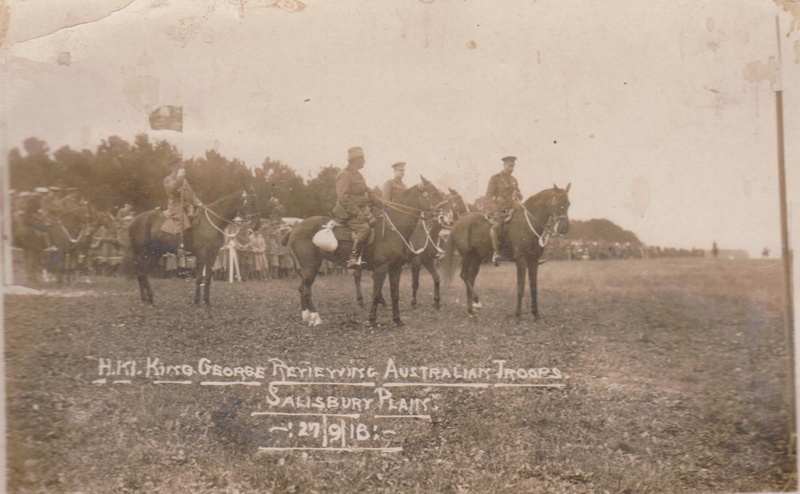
(662, 376)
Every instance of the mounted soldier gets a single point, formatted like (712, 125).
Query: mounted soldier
(503, 196)
(394, 186)
(50, 204)
(353, 199)
(182, 202)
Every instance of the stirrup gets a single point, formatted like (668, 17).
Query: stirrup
(354, 263)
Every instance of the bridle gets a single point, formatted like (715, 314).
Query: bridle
(555, 214)
(421, 214)
(248, 215)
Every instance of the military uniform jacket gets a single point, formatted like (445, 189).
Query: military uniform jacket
(502, 192)
(392, 189)
(351, 192)
(175, 186)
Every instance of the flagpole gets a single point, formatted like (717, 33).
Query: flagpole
(786, 252)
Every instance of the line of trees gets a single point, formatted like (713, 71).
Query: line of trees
(119, 172)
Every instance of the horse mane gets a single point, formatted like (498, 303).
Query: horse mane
(225, 198)
(539, 199)
(408, 190)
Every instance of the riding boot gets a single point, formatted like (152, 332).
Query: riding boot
(495, 244)
(355, 255)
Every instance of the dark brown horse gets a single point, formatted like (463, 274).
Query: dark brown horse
(428, 234)
(525, 237)
(206, 236)
(386, 254)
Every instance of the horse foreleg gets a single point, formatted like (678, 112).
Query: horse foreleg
(416, 264)
(145, 291)
(378, 277)
(521, 270)
(430, 265)
(394, 286)
(207, 282)
(357, 281)
(533, 272)
(310, 314)
(198, 283)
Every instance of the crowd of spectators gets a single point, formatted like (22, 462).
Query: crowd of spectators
(561, 249)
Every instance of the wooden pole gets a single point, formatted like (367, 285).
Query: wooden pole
(786, 251)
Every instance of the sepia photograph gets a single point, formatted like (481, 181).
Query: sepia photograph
(417, 246)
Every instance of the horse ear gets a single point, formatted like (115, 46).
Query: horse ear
(568, 185)
(555, 186)
(424, 182)
(452, 192)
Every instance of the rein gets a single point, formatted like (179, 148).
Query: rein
(429, 239)
(394, 229)
(206, 209)
(400, 208)
(549, 226)
(66, 232)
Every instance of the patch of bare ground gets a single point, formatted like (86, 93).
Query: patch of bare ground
(675, 372)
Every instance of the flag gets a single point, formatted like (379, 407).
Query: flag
(168, 117)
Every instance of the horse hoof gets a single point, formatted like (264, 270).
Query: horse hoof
(306, 315)
(314, 319)
(399, 323)
(477, 306)
(437, 306)
(413, 304)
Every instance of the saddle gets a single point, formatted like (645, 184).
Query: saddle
(506, 216)
(172, 221)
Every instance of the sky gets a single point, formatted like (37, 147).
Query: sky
(661, 115)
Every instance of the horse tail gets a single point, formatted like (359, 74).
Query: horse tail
(285, 238)
(449, 258)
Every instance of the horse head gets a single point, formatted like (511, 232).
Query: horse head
(431, 200)
(458, 206)
(241, 204)
(558, 209)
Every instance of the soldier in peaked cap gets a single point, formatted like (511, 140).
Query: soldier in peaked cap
(503, 194)
(394, 186)
(353, 198)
